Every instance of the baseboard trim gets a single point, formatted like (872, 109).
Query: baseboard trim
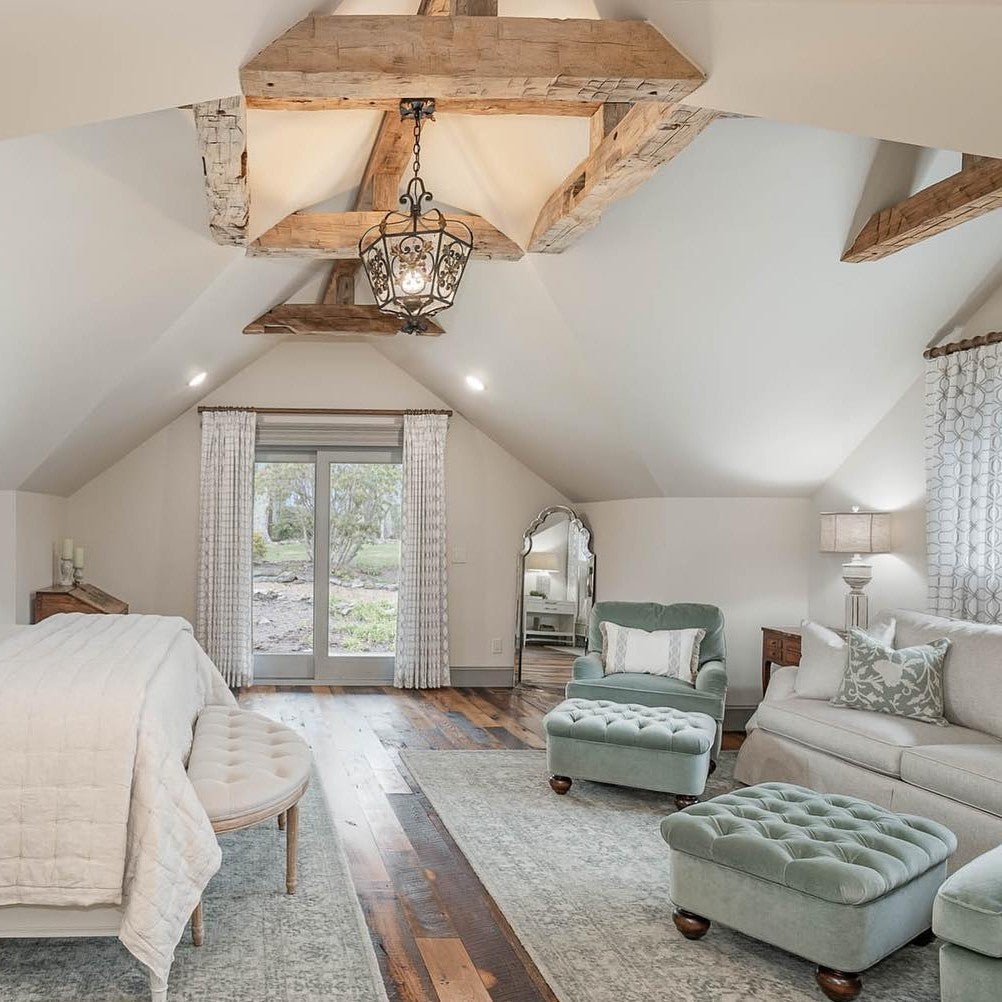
(736, 717)
(481, 678)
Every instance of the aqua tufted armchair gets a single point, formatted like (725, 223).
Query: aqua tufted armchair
(710, 691)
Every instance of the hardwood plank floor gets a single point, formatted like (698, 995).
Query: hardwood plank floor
(438, 935)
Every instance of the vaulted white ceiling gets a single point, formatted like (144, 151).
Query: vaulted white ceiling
(705, 339)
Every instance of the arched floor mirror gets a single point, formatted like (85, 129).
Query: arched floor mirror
(555, 592)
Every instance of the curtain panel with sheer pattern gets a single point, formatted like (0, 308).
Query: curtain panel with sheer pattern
(422, 657)
(963, 440)
(226, 518)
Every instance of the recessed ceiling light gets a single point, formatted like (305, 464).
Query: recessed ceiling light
(475, 383)
(197, 379)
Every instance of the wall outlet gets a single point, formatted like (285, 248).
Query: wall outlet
(496, 647)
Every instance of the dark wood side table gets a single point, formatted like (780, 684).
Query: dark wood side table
(780, 647)
(77, 598)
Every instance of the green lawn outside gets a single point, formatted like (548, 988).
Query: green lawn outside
(373, 559)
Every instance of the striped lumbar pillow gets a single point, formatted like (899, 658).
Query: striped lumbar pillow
(664, 652)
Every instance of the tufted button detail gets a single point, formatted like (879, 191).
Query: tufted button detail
(242, 763)
(660, 728)
(830, 846)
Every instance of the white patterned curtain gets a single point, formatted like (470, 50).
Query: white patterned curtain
(223, 623)
(963, 438)
(422, 660)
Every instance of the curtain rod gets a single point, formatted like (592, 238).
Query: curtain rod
(372, 412)
(995, 337)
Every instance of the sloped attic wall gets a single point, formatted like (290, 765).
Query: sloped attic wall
(139, 519)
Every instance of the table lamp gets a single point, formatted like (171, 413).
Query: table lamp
(543, 563)
(856, 532)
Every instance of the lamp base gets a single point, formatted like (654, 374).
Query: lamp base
(856, 575)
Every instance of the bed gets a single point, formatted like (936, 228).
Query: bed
(101, 833)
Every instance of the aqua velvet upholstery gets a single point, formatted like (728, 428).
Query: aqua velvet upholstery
(845, 882)
(648, 748)
(968, 915)
(708, 696)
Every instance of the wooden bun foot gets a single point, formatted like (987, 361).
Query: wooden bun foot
(691, 926)
(923, 938)
(560, 784)
(683, 800)
(838, 985)
(713, 767)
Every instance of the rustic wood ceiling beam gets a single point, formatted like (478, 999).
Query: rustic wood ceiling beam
(970, 193)
(336, 235)
(221, 131)
(386, 56)
(329, 322)
(636, 146)
(470, 8)
(443, 106)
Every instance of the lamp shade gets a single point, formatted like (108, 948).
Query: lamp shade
(542, 561)
(855, 532)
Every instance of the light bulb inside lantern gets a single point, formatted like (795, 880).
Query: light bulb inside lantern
(413, 280)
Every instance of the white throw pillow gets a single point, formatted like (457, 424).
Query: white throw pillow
(664, 652)
(824, 657)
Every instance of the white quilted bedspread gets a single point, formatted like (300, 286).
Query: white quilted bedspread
(96, 716)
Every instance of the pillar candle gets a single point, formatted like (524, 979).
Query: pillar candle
(78, 557)
(67, 549)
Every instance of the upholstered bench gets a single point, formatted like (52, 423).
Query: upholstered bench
(968, 915)
(844, 883)
(648, 747)
(247, 769)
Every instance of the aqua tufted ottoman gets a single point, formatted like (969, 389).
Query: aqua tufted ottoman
(645, 747)
(836, 880)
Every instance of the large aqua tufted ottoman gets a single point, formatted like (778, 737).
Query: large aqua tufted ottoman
(646, 747)
(968, 915)
(836, 880)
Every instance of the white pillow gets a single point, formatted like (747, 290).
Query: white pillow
(674, 653)
(824, 657)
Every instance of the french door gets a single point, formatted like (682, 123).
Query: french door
(326, 564)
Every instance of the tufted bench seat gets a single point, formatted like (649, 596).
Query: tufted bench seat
(845, 883)
(247, 769)
(647, 747)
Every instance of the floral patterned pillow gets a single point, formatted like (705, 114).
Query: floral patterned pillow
(905, 683)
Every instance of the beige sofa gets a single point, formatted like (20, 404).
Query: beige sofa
(950, 774)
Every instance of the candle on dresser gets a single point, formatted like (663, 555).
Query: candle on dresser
(67, 549)
(78, 556)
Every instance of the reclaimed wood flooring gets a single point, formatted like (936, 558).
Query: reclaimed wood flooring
(437, 933)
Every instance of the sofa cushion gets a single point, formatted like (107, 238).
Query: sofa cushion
(825, 657)
(872, 740)
(968, 908)
(972, 678)
(833, 847)
(969, 774)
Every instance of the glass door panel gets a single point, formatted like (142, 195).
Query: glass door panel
(364, 558)
(284, 560)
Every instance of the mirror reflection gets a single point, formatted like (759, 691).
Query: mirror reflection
(556, 585)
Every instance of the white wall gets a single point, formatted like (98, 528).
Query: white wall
(885, 472)
(39, 525)
(138, 519)
(746, 555)
(8, 549)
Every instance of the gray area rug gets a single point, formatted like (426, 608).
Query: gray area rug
(583, 882)
(260, 943)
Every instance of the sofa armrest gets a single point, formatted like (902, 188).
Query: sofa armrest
(712, 679)
(588, 666)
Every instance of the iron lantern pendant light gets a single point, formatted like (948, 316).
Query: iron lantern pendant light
(414, 260)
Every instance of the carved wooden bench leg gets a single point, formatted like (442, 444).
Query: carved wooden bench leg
(839, 986)
(197, 925)
(291, 845)
(281, 822)
(691, 926)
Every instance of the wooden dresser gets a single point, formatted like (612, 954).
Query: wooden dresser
(780, 647)
(77, 598)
